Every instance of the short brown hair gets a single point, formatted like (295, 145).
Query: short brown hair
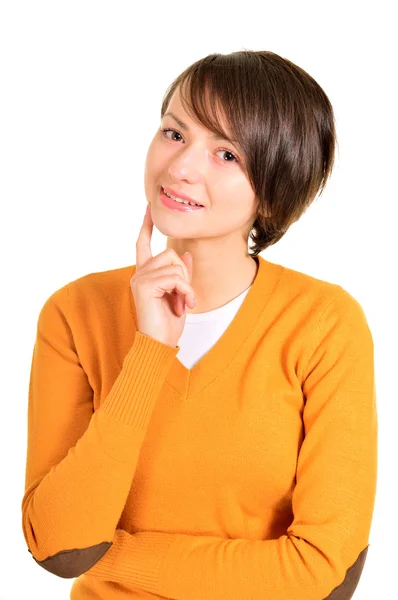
(283, 122)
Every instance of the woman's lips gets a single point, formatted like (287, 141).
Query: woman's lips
(180, 195)
(172, 204)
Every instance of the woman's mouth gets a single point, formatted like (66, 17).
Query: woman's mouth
(174, 205)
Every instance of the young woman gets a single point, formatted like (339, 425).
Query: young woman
(204, 425)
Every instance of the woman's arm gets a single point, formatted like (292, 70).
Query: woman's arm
(80, 464)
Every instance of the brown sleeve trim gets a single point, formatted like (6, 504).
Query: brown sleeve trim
(346, 589)
(72, 563)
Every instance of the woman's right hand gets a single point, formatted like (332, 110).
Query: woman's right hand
(161, 287)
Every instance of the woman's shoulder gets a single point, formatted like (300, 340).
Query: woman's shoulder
(101, 284)
(319, 293)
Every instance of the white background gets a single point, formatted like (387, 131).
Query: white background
(81, 88)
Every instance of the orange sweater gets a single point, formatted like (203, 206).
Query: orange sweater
(251, 475)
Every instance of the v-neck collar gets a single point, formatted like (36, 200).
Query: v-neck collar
(185, 380)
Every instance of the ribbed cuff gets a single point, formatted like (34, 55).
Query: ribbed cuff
(134, 559)
(135, 390)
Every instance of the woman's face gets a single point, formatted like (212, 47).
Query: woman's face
(191, 161)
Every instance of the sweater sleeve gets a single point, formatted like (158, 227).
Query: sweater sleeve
(80, 464)
(325, 547)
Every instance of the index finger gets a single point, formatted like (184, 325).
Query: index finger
(143, 243)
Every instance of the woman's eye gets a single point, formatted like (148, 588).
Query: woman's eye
(231, 154)
(173, 131)
(165, 131)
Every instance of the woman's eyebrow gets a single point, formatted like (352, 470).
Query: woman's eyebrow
(215, 136)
